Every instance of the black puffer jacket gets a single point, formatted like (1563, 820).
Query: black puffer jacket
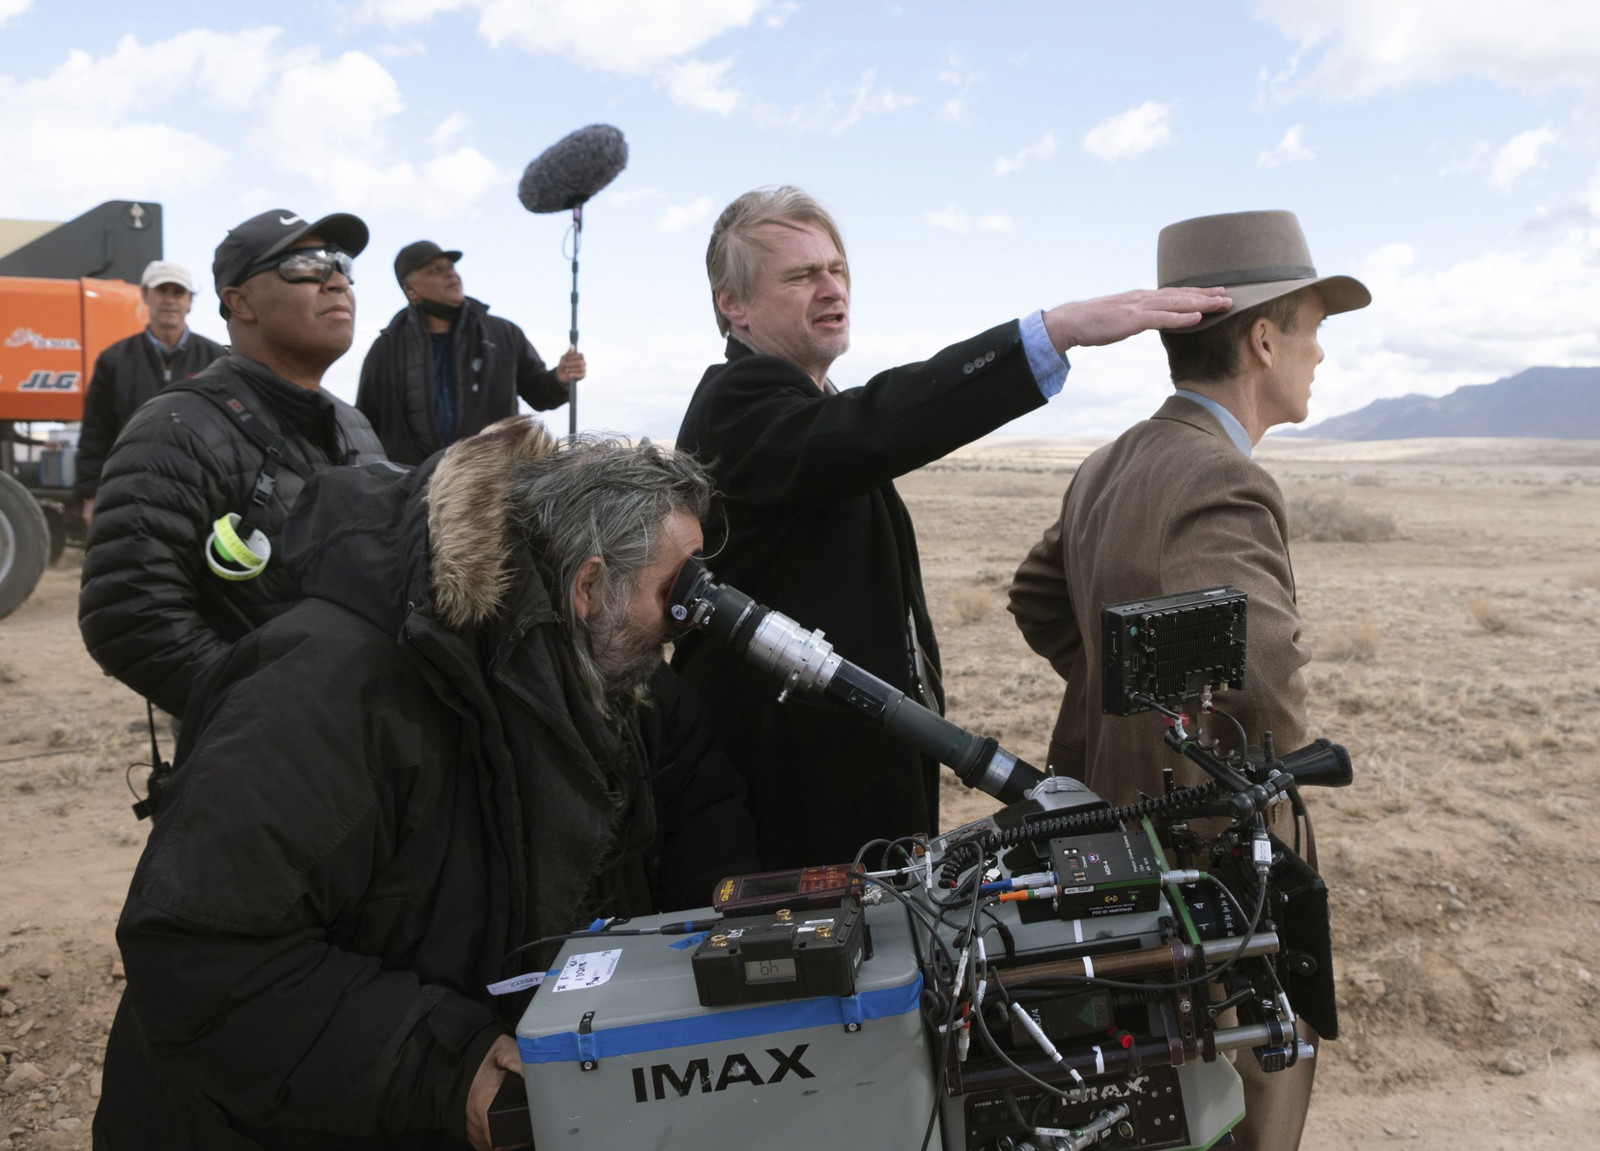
(380, 795)
(125, 375)
(151, 612)
(494, 364)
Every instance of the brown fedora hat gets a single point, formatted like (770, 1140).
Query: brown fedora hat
(1256, 256)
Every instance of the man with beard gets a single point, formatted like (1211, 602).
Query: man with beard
(461, 741)
(445, 368)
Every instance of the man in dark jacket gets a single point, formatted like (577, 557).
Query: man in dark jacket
(130, 371)
(461, 741)
(813, 525)
(179, 562)
(445, 368)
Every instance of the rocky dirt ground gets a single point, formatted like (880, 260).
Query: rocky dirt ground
(1458, 658)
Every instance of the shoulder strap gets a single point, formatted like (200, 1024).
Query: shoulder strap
(256, 430)
(258, 433)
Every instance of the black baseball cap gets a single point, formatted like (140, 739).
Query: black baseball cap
(270, 233)
(413, 256)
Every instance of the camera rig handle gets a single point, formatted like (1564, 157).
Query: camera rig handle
(807, 663)
(1320, 763)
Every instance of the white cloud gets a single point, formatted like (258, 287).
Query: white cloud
(448, 129)
(1432, 329)
(11, 8)
(827, 114)
(677, 217)
(869, 98)
(1130, 133)
(608, 35)
(954, 110)
(328, 120)
(1289, 150)
(1367, 46)
(322, 110)
(621, 36)
(93, 115)
(702, 85)
(1475, 157)
(1040, 149)
(400, 49)
(347, 153)
(779, 12)
(1520, 154)
(629, 195)
(952, 219)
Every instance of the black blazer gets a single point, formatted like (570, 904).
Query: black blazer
(809, 523)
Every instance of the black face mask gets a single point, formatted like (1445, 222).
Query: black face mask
(441, 311)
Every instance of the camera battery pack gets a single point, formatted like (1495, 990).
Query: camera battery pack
(784, 955)
(803, 889)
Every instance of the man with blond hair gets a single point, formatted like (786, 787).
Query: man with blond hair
(810, 522)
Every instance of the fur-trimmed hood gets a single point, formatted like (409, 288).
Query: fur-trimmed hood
(383, 540)
(469, 527)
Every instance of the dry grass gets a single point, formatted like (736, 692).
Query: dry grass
(971, 604)
(1333, 520)
(1358, 644)
(1488, 615)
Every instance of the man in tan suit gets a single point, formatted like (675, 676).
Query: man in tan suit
(1176, 504)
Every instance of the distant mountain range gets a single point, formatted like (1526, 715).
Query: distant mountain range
(1541, 403)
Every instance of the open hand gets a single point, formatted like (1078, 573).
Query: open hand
(1108, 319)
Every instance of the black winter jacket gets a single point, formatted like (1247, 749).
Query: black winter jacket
(151, 612)
(494, 364)
(811, 526)
(372, 808)
(126, 374)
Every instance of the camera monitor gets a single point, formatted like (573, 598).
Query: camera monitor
(1171, 648)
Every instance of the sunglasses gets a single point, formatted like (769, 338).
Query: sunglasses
(306, 265)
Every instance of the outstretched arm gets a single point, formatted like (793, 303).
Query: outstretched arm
(1110, 319)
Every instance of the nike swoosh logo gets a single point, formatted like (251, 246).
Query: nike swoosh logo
(287, 220)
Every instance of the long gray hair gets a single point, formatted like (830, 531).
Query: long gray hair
(602, 496)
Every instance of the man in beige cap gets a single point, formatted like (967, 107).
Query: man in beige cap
(1176, 504)
(132, 370)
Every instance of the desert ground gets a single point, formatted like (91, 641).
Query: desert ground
(1456, 629)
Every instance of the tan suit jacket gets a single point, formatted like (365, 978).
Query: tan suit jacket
(1170, 506)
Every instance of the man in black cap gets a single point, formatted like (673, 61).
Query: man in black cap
(179, 562)
(444, 368)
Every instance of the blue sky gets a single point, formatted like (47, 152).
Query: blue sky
(981, 159)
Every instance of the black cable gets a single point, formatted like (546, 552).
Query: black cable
(1244, 739)
(994, 1048)
(965, 855)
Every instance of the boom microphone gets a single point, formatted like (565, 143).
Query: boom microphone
(562, 178)
(573, 169)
